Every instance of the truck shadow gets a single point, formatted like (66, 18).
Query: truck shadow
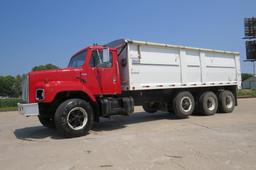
(105, 124)
(118, 122)
(35, 132)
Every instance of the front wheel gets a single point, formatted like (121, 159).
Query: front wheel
(47, 121)
(74, 118)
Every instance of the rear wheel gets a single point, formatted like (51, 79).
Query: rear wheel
(183, 104)
(74, 118)
(149, 107)
(47, 121)
(226, 101)
(208, 103)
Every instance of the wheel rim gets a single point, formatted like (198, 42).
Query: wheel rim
(229, 102)
(186, 104)
(77, 118)
(211, 104)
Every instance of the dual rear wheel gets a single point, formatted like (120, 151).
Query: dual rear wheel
(150, 107)
(207, 104)
(183, 104)
(226, 101)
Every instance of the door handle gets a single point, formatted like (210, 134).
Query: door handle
(83, 74)
(81, 79)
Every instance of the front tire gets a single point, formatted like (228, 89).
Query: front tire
(74, 118)
(47, 121)
(183, 104)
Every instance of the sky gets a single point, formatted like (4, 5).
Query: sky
(35, 32)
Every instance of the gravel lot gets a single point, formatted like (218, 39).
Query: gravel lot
(141, 141)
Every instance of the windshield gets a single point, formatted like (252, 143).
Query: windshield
(77, 60)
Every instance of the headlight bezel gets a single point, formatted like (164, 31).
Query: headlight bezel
(40, 94)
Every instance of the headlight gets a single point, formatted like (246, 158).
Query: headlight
(39, 94)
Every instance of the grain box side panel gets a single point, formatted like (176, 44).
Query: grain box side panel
(153, 67)
(191, 73)
(220, 67)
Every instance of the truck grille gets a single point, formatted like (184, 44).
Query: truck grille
(25, 89)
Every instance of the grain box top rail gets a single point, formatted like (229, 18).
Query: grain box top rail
(122, 41)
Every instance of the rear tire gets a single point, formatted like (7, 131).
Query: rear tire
(208, 103)
(183, 104)
(226, 101)
(74, 118)
(47, 121)
(149, 107)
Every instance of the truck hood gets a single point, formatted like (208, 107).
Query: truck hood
(65, 74)
(48, 79)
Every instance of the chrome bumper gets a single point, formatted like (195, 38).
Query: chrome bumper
(29, 109)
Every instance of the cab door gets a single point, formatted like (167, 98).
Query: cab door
(106, 72)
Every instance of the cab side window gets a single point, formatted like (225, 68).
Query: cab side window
(97, 60)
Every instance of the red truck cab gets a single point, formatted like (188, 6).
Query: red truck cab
(89, 85)
(86, 72)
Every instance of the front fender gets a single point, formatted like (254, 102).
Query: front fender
(54, 87)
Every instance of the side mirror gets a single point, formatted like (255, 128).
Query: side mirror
(106, 55)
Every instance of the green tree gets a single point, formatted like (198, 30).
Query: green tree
(10, 85)
(17, 85)
(246, 76)
(7, 86)
(45, 67)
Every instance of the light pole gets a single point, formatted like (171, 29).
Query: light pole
(250, 36)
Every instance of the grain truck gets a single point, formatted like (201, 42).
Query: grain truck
(111, 79)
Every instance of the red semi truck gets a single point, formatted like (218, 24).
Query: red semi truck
(111, 79)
